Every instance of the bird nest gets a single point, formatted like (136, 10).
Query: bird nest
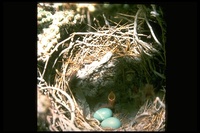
(92, 64)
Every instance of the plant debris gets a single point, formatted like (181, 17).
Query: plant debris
(127, 59)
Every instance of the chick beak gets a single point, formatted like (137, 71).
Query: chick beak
(111, 99)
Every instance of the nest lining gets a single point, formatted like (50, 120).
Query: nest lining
(68, 96)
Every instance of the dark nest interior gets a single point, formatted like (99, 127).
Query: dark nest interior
(120, 58)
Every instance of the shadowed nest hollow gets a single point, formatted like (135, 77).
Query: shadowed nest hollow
(127, 60)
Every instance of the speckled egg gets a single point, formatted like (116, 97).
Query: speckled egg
(111, 122)
(102, 114)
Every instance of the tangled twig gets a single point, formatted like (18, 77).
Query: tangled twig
(68, 97)
(84, 54)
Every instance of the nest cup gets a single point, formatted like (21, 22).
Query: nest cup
(93, 64)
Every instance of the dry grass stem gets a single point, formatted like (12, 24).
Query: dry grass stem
(93, 51)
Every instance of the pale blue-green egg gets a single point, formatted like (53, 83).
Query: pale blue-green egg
(111, 122)
(102, 114)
